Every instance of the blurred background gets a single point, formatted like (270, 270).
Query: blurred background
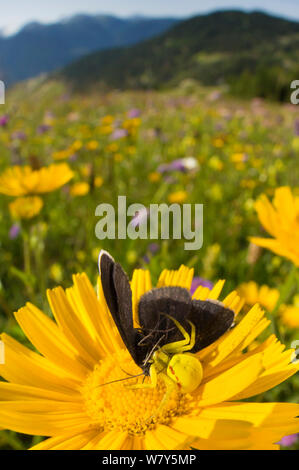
(175, 103)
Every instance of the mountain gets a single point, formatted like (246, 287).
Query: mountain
(254, 53)
(39, 48)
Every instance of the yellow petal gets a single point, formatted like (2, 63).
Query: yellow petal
(42, 424)
(23, 366)
(216, 290)
(66, 442)
(171, 438)
(113, 440)
(181, 277)
(73, 327)
(11, 391)
(94, 313)
(50, 341)
(140, 284)
(266, 381)
(230, 382)
(201, 293)
(259, 414)
(213, 429)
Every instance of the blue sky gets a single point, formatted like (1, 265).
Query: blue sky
(15, 13)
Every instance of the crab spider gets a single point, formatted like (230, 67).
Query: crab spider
(175, 365)
(154, 344)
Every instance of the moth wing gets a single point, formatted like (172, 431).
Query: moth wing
(155, 305)
(211, 320)
(118, 295)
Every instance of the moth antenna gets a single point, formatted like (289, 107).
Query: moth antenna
(131, 375)
(155, 330)
(148, 335)
(120, 380)
(144, 338)
(152, 350)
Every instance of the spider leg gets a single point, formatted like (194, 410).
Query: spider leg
(170, 347)
(170, 387)
(182, 345)
(152, 384)
(189, 346)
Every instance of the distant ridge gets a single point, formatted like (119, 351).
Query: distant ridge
(256, 54)
(40, 48)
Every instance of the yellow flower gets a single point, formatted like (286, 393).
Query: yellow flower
(26, 207)
(77, 145)
(58, 393)
(268, 298)
(178, 197)
(56, 272)
(86, 169)
(154, 177)
(238, 157)
(106, 120)
(187, 142)
(113, 147)
(295, 143)
(106, 130)
(84, 131)
(252, 294)
(256, 162)
(92, 145)
(281, 220)
(79, 189)
(248, 183)
(62, 154)
(215, 191)
(215, 163)
(98, 181)
(118, 157)
(81, 255)
(131, 150)
(23, 180)
(290, 316)
(130, 124)
(218, 142)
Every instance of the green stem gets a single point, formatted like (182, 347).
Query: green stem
(26, 252)
(27, 261)
(285, 294)
(39, 260)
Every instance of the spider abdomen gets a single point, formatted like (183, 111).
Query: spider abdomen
(185, 370)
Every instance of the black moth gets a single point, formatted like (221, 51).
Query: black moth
(210, 318)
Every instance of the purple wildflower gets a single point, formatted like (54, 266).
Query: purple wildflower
(181, 164)
(140, 217)
(18, 135)
(177, 165)
(73, 157)
(134, 113)
(153, 248)
(4, 120)
(288, 441)
(42, 129)
(119, 134)
(14, 231)
(199, 281)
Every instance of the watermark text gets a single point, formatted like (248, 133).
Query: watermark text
(162, 221)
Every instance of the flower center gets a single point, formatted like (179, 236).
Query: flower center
(116, 406)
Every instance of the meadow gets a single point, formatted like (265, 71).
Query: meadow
(187, 145)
